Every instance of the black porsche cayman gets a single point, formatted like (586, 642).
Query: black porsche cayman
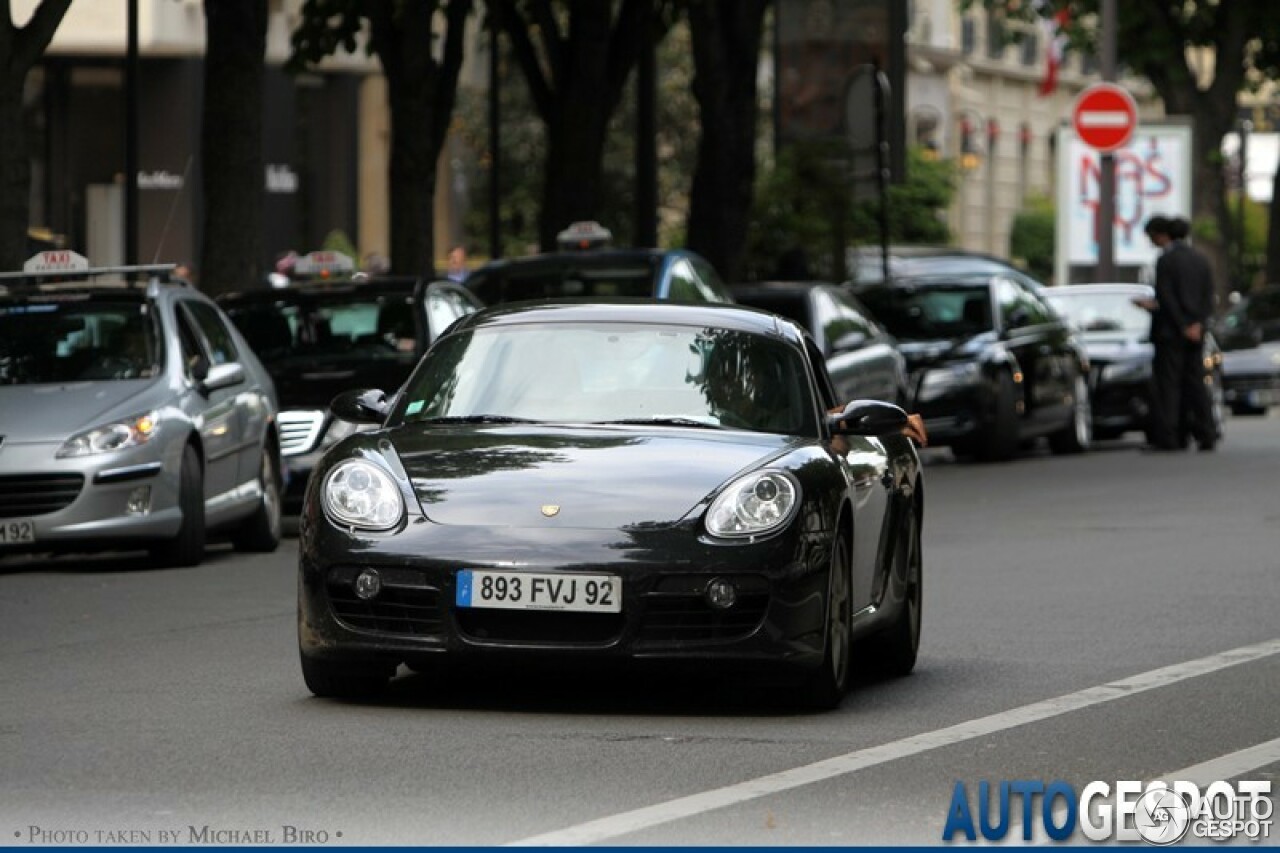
(617, 482)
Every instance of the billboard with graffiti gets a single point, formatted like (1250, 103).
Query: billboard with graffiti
(1153, 176)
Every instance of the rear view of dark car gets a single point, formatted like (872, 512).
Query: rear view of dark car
(991, 364)
(1250, 338)
(320, 339)
(862, 358)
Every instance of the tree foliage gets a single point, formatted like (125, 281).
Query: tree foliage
(1032, 238)
(421, 90)
(20, 49)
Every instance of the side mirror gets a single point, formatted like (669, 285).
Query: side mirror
(1018, 318)
(366, 406)
(221, 376)
(867, 417)
(849, 341)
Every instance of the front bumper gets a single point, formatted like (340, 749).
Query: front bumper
(83, 503)
(1120, 405)
(953, 414)
(1258, 390)
(778, 618)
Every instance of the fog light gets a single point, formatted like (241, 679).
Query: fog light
(721, 594)
(139, 502)
(368, 584)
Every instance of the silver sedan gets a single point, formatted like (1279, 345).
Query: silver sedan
(132, 416)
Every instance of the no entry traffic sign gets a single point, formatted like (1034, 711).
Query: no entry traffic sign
(1105, 116)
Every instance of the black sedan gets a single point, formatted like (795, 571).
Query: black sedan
(991, 363)
(618, 483)
(1117, 338)
(862, 358)
(1250, 335)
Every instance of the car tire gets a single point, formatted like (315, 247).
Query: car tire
(186, 548)
(824, 688)
(1077, 435)
(343, 680)
(260, 532)
(999, 439)
(892, 652)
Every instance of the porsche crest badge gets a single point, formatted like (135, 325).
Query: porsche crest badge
(550, 510)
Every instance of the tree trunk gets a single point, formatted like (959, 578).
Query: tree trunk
(413, 180)
(1209, 198)
(726, 38)
(15, 177)
(231, 145)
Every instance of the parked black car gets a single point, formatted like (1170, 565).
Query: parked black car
(866, 263)
(614, 483)
(991, 364)
(1117, 339)
(862, 358)
(318, 338)
(1250, 338)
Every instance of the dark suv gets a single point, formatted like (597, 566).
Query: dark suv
(320, 338)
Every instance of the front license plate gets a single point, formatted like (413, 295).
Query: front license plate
(17, 531)
(533, 591)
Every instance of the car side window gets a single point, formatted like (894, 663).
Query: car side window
(222, 348)
(1019, 308)
(713, 286)
(843, 323)
(191, 349)
(684, 284)
(1036, 311)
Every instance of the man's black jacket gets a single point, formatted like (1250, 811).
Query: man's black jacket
(1184, 291)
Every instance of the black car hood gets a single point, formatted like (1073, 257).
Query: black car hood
(597, 478)
(925, 353)
(312, 384)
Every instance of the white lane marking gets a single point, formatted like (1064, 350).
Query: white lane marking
(1106, 118)
(618, 825)
(1227, 766)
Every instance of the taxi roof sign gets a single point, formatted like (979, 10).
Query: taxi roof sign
(584, 235)
(324, 263)
(56, 261)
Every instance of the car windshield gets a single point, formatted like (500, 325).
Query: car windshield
(330, 327)
(613, 373)
(912, 313)
(1102, 312)
(512, 284)
(74, 338)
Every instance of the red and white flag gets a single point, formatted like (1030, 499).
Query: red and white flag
(1055, 33)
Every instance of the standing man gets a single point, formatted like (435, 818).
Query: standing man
(1181, 311)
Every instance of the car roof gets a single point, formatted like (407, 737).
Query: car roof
(1117, 287)
(591, 258)
(760, 288)
(639, 311)
(322, 287)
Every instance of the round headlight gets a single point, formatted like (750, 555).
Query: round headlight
(360, 494)
(754, 504)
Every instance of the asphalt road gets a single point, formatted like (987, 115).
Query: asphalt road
(1109, 617)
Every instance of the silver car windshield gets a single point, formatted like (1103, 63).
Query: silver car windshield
(76, 340)
(614, 373)
(1103, 312)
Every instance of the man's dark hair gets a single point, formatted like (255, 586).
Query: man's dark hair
(1159, 225)
(1179, 228)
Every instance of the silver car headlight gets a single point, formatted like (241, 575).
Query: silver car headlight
(117, 435)
(754, 504)
(357, 493)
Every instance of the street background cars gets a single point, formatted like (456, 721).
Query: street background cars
(586, 268)
(991, 364)
(133, 415)
(1117, 338)
(1250, 338)
(614, 483)
(862, 357)
(320, 336)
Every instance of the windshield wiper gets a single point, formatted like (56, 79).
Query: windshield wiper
(682, 422)
(474, 419)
